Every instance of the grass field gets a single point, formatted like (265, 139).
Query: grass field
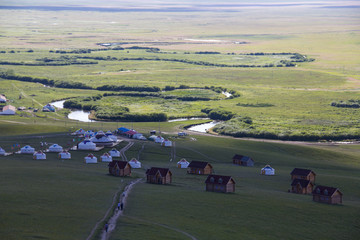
(38, 193)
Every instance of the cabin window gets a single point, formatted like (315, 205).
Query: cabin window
(318, 190)
(212, 179)
(326, 192)
(220, 180)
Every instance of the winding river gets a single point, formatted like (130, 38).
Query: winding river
(79, 115)
(83, 116)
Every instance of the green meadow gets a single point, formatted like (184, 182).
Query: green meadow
(183, 51)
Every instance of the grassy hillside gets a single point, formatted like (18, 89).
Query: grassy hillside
(41, 202)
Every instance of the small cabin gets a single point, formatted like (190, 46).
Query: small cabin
(48, 108)
(158, 175)
(329, 195)
(300, 173)
(166, 143)
(120, 168)
(301, 186)
(200, 168)
(243, 160)
(218, 183)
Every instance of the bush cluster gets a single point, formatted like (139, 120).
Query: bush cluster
(347, 104)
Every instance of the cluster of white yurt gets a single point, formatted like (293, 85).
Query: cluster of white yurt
(39, 155)
(166, 143)
(86, 145)
(64, 155)
(135, 163)
(101, 139)
(55, 148)
(2, 152)
(90, 159)
(106, 158)
(27, 150)
(267, 170)
(114, 152)
(183, 163)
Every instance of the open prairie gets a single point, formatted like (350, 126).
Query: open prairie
(292, 69)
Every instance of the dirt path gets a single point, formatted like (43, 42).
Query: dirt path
(124, 149)
(117, 213)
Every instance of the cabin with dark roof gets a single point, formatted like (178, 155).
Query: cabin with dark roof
(301, 186)
(243, 160)
(305, 174)
(218, 183)
(158, 175)
(199, 168)
(329, 195)
(119, 168)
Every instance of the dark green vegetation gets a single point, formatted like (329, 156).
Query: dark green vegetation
(37, 193)
(347, 104)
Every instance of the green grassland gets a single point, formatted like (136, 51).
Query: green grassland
(327, 34)
(37, 193)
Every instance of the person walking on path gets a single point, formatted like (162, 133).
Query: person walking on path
(106, 227)
(121, 206)
(118, 206)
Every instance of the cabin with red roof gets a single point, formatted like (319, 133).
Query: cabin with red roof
(158, 175)
(302, 186)
(305, 174)
(199, 168)
(330, 195)
(119, 168)
(218, 183)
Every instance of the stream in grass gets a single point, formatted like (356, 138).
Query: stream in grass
(79, 115)
(83, 116)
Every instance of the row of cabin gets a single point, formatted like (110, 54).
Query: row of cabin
(303, 182)
(214, 183)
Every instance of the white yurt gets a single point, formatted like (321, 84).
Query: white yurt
(106, 158)
(55, 148)
(27, 149)
(166, 143)
(86, 145)
(267, 170)
(142, 138)
(114, 152)
(111, 136)
(79, 132)
(183, 163)
(137, 135)
(39, 155)
(152, 138)
(90, 159)
(89, 134)
(2, 152)
(101, 139)
(134, 163)
(65, 155)
(159, 139)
